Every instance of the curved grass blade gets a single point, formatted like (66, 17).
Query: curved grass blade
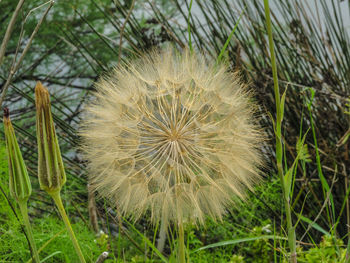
(240, 240)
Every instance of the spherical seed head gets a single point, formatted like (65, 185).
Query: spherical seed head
(174, 135)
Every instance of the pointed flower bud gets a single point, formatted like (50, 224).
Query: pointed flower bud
(50, 165)
(20, 187)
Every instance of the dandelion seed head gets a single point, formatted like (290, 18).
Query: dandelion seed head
(174, 135)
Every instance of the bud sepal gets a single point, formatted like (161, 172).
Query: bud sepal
(20, 186)
(50, 165)
(19, 182)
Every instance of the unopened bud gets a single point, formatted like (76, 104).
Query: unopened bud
(20, 187)
(50, 165)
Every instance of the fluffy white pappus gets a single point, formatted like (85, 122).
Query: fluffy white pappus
(174, 135)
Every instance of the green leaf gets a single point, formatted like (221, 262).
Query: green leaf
(288, 180)
(273, 122)
(309, 102)
(303, 151)
(300, 154)
(240, 240)
(229, 38)
(283, 99)
(313, 224)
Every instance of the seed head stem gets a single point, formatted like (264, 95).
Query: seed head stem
(181, 244)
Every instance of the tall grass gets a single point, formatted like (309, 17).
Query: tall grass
(285, 179)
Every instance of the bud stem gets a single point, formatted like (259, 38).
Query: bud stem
(24, 211)
(57, 199)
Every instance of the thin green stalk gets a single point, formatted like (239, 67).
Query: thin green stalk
(278, 133)
(347, 257)
(24, 211)
(145, 239)
(189, 27)
(229, 38)
(154, 239)
(57, 199)
(119, 236)
(181, 245)
(325, 186)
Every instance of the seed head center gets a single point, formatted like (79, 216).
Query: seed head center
(174, 136)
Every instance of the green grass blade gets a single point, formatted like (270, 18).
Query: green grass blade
(50, 256)
(325, 186)
(229, 38)
(240, 240)
(145, 239)
(189, 27)
(314, 225)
